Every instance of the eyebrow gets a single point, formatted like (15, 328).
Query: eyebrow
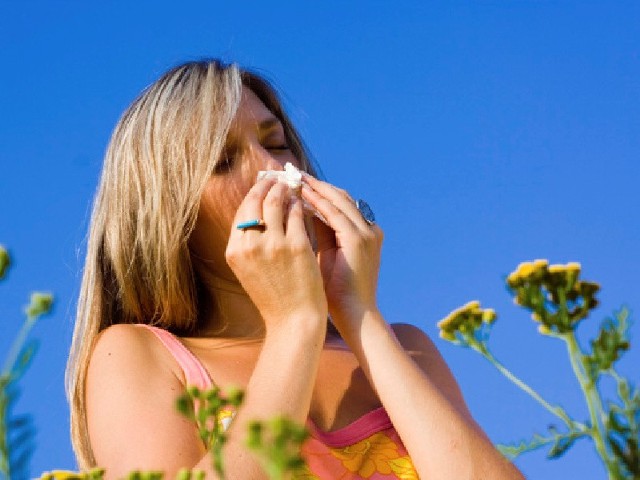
(269, 124)
(265, 128)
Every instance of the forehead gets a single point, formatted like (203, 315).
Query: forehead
(252, 115)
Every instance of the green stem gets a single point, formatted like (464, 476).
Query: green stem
(592, 396)
(17, 345)
(4, 454)
(628, 405)
(555, 410)
(588, 386)
(7, 377)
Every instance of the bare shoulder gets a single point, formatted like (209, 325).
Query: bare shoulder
(426, 355)
(118, 340)
(132, 382)
(415, 341)
(129, 348)
(409, 334)
(419, 346)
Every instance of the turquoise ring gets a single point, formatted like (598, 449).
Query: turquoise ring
(251, 224)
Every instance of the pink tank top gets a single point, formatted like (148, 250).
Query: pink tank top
(368, 448)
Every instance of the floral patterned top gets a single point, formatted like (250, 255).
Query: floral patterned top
(369, 448)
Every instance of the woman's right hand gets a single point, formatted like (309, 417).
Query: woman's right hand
(276, 264)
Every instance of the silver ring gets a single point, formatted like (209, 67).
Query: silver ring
(366, 212)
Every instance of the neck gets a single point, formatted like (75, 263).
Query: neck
(228, 311)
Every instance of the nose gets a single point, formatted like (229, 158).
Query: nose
(273, 159)
(269, 162)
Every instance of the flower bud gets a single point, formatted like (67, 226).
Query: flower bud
(489, 315)
(40, 304)
(544, 330)
(5, 261)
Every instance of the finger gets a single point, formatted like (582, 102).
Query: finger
(337, 219)
(273, 208)
(251, 206)
(339, 198)
(296, 227)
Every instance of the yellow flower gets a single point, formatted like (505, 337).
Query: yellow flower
(60, 475)
(563, 276)
(526, 272)
(544, 329)
(369, 456)
(453, 321)
(489, 315)
(465, 320)
(554, 294)
(569, 267)
(95, 474)
(445, 335)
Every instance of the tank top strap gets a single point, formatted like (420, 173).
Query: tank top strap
(194, 372)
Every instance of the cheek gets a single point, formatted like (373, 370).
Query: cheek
(218, 207)
(208, 236)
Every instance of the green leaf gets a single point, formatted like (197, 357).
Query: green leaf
(560, 446)
(561, 442)
(512, 451)
(5, 261)
(612, 341)
(277, 443)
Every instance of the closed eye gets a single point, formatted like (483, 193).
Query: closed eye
(279, 148)
(224, 165)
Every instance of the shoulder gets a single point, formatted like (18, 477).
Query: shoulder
(132, 382)
(413, 339)
(120, 339)
(408, 333)
(130, 352)
(425, 354)
(420, 347)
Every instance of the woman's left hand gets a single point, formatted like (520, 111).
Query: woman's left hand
(348, 253)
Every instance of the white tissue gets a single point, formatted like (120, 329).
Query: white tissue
(290, 175)
(293, 178)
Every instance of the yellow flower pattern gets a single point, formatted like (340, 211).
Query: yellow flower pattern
(404, 469)
(368, 456)
(379, 456)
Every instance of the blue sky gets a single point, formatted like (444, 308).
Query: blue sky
(483, 134)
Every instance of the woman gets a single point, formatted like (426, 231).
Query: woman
(171, 263)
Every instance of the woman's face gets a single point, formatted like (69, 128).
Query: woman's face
(256, 141)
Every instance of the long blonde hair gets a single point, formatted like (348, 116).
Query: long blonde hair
(138, 268)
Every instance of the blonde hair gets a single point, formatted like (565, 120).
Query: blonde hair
(138, 268)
